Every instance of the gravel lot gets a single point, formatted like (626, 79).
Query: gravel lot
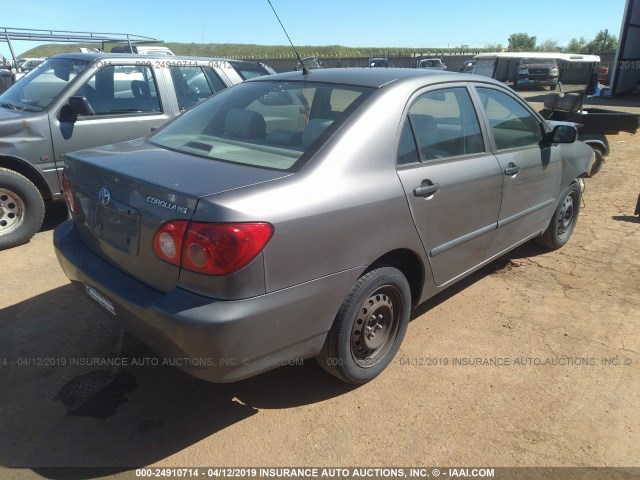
(532, 361)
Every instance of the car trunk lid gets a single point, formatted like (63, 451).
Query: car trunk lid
(126, 192)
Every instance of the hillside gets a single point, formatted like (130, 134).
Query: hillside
(235, 50)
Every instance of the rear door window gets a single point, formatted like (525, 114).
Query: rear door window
(122, 89)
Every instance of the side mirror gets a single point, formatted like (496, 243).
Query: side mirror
(76, 106)
(563, 134)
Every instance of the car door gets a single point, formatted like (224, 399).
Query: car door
(452, 182)
(531, 168)
(126, 105)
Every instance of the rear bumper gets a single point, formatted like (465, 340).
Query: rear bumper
(220, 341)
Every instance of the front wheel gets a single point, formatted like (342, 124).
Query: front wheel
(564, 219)
(21, 209)
(369, 327)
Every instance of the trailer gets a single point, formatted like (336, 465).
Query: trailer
(594, 124)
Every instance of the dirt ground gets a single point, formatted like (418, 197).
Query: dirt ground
(532, 361)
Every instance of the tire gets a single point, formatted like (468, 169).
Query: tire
(564, 219)
(369, 327)
(21, 209)
(597, 165)
(515, 84)
(553, 87)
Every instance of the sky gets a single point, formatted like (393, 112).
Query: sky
(356, 23)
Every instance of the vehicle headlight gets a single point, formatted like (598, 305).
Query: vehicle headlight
(523, 71)
(554, 72)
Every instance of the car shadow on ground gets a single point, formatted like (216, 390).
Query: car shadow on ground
(93, 414)
(626, 218)
(65, 406)
(529, 249)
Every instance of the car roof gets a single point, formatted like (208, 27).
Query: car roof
(370, 77)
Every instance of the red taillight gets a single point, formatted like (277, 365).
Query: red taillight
(167, 243)
(69, 196)
(211, 248)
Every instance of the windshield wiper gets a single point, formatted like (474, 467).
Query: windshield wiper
(20, 108)
(10, 106)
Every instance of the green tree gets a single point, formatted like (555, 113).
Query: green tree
(521, 41)
(493, 47)
(601, 43)
(604, 41)
(577, 46)
(549, 45)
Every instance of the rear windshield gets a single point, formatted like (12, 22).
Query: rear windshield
(249, 70)
(263, 124)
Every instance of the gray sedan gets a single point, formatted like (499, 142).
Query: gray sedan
(306, 215)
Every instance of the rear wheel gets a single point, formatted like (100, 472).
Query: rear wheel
(369, 327)
(564, 219)
(21, 209)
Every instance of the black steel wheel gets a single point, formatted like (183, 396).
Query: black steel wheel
(369, 327)
(564, 219)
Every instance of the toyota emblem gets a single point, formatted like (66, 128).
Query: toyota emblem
(104, 196)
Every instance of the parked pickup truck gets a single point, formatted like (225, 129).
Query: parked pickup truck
(83, 100)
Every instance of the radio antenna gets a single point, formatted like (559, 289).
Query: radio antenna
(305, 70)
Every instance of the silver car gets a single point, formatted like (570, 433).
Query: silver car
(431, 63)
(306, 215)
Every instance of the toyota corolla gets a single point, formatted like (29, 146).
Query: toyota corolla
(306, 214)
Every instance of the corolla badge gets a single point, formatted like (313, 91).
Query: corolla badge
(104, 195)
(167, 205)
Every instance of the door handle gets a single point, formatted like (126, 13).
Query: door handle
(426, 190)
(153, 129)
(511, 169)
